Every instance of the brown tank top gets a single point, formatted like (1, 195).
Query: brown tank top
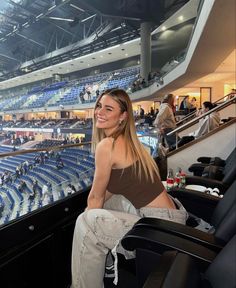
(138, 192)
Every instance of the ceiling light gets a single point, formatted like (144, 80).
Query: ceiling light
(112, 47)
(88, 18)
(115, 29)
(181, 18)
(61, 19)
(131, 41)
(76, 7)
(41, 14)
(49, 9)
(163, 28)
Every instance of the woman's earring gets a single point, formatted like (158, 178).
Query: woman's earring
(120, 121)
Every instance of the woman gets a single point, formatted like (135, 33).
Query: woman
(206, 125)
(126, 187)
(165, 120)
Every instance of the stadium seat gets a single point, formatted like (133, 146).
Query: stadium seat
(215, 177)
(198, 168)
(178, 270)
(222, 220)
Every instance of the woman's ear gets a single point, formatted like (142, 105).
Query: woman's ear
(123, 116)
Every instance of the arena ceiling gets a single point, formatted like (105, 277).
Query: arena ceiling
(35, 34)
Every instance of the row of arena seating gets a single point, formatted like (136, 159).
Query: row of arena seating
(69, 92)
(78, 170)
(48, 123)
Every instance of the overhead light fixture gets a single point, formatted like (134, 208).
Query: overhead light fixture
(61, 19)
(88, 18)
(115, 29)
(54, 6)
(163, 28)
(38, 16)
(181, 18)
(109, 48)
(76, 7)
(131, 41)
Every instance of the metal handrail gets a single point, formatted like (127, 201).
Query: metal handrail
(195, 120)
(186, 117)
(192, 113)
(52, 148)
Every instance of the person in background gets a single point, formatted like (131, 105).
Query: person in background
(46, 191)
(152, 112)
(206, 124)
(141, 112)
(22, 186)
(126, 187)
(185, 105)
(193, 104)
(70, 189)
(165, 121)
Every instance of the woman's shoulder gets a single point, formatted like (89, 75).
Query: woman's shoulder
(105, 144)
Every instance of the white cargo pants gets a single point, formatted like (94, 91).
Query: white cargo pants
(97, 231)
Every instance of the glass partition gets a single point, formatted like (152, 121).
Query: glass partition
(33, 179)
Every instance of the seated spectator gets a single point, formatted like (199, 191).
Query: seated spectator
(118, 197)
(26, 166)
(22, 186)
(59, 164)
(70, 189)
(35, 187)
(46, 191)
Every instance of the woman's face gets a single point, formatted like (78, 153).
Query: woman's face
(108, 114)
(204, 109)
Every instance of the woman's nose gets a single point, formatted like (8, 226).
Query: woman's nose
(100, 111)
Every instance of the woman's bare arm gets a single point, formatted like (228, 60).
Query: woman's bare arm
(102, 173)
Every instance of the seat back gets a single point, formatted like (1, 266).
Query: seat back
(224, 216)
(177, 270)
(229, 170)
(231, 156)
(224, 205)
(221, 272)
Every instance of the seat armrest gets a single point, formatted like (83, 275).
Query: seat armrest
(205, 160)
(158, 242)
(174, 270)
(197, 168)
(198, 203)
(207, 182)
(180, 230)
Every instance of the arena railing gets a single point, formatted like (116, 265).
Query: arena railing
(192, 114)
(190, 123)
